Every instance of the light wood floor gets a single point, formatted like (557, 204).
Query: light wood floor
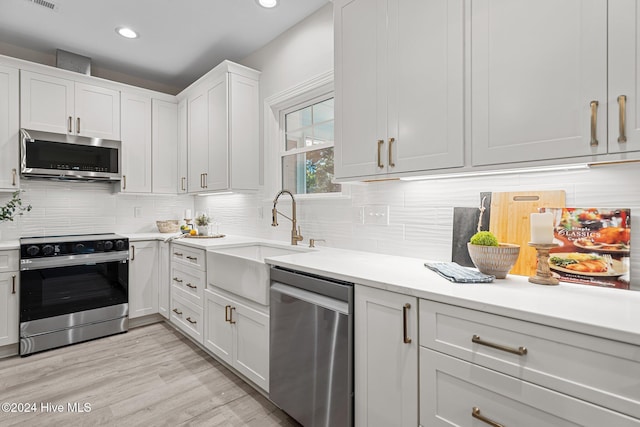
(150, 376)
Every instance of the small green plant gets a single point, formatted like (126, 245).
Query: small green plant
(202, 220)
(13, 208)
(484, 238)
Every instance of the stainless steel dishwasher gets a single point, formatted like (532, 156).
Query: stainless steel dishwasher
(311, 348)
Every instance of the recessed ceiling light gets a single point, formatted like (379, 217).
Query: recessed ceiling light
(268, 3)
(127, 32)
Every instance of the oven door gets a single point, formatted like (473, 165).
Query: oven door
(57, 286)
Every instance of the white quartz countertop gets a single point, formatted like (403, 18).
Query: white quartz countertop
(603, 312)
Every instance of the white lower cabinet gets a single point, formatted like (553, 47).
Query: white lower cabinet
(143, 278)
(164, 284)
(386, 358)
(187, 279)
(9, 285)
(238, 333)
(521, 373)
(186, 315)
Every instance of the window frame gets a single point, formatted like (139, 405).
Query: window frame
(317, 88)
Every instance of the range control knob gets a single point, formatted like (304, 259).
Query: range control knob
(33, 250)
(99, 246)
(120, 245)
(108, 245)
(47, 250)
(79, 247)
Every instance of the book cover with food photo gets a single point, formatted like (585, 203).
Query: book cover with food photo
(594, 246)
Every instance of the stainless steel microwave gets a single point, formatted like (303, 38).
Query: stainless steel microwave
(52, 155)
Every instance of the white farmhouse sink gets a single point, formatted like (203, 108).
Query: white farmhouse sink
(242, 270)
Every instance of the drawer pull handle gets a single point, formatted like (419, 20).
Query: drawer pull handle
(133, 253)
(177, 254)
(380, 143)
(475, 413)
(227, 318)
(14, 173)
(182, 185)
(520, 351)
(193, 322)
(594, 123)
(189, 285)
(231, 315)
(192, 258)
(13, 284)
(405, 326)
(391, 162)
(622, 105)
(176, 311)
(70, 124)
(78, 125)
(175, 279)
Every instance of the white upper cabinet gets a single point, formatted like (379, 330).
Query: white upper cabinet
(624, 76)
(164, 138)
(399, 86)
(538, 80)
(222, 130)
(182, 147)
(9, 128)
(136, 143)
(54, 104)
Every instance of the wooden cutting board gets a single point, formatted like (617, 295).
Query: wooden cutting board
(510, 221)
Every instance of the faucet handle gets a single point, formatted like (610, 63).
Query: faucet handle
(312, 242)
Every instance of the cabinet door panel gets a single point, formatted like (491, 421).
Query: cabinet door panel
(143, 279)
(386, 368)
(624, 73)
(164, 142)
(218, 334)
(252, 344)
(182, 147)
(217, 177)
(9, 124)
(46, 103)
(9, 308)
(97, 111)
(136, 143)
(198, 133)
(536, 66)
(426, 100)
(360, 116)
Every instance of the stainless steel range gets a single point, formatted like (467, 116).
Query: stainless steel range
(73, 289)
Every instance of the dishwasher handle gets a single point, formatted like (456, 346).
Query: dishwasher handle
(311, 297)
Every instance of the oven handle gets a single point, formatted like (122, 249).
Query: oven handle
(70, 260)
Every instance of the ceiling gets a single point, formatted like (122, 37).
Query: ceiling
(180, 40)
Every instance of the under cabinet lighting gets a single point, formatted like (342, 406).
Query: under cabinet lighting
(497, 172)
(268, 3)
(215, 194)
(127, 32)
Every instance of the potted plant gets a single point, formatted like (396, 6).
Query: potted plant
(490, 256)
(202, 224)
(13, 208)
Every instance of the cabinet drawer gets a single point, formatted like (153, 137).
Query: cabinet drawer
(194, 258)
(9, 260)
(191, 282)
(450, 388)
(187, 317)
(594, 369)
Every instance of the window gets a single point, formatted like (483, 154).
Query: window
(307, 149)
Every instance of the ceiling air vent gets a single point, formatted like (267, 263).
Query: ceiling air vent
(44, 3)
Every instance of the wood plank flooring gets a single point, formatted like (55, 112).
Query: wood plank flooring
(150, 376)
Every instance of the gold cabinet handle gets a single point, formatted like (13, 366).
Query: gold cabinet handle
(176, 311)
(520, 351)
(182, 180)
(14, 174)
(594, 123)
(380, 143)
(189, 285)
(178, 254)
(124, 182)
(192, 258)
(391, 163)
(133, 253)
(78, 125)
(231, 315)
(13, 284)
(206, 177)
(475, 413)
(405, 320)
(622, 106)
(227, 317)
(69, 124)
(175, 279)
(193, 322)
